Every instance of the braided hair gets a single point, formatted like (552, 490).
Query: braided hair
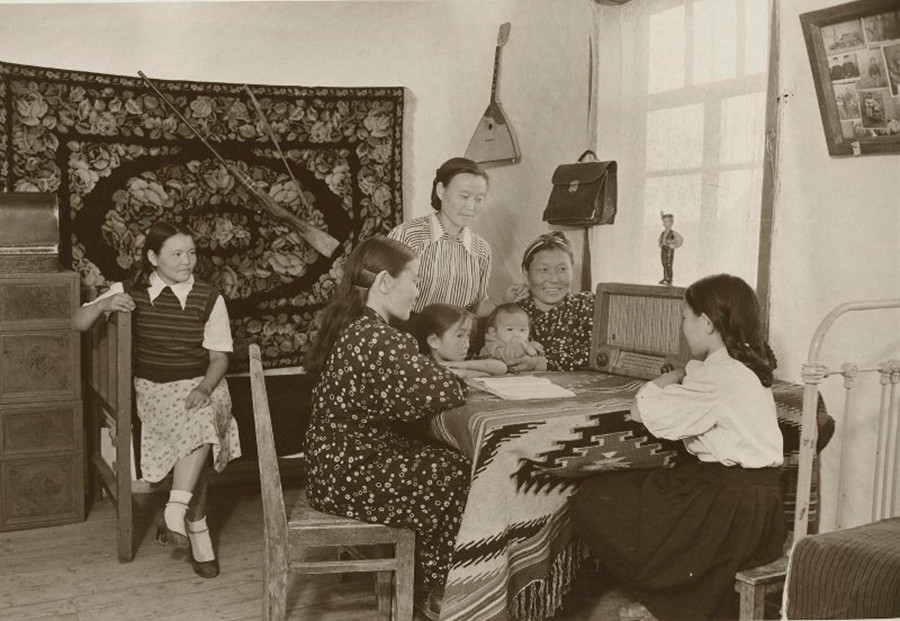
(732, 307)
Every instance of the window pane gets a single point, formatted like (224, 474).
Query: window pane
(680, 196)
(715, 40)
(675, 138)
(736, 244)
(666, 51)
(757, 40)
(743, 128)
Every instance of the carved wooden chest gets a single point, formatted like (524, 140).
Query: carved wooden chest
(41, 431)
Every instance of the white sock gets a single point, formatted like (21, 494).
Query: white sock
(201, 544)
(175, 510)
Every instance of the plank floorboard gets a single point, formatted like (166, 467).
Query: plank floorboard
(72, 573)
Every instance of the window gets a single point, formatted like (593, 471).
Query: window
(690, 122)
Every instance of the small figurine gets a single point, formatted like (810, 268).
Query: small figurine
(669, 240)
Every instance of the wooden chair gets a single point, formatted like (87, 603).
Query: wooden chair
(288, 536)
(756, 583)
(108, 409)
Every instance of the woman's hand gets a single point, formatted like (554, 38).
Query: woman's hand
(116, 302)
(672, 377)
(468, 373)
(197, 398)
(516, 292)
(634, 414)
(527, 364)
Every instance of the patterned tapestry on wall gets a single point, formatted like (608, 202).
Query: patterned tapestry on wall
(119, 159)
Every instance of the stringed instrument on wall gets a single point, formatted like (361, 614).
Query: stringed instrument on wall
(494, 140)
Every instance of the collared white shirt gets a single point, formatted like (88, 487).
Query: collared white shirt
(720, 410)
(454, 269)
(216, 332)
(464, 237)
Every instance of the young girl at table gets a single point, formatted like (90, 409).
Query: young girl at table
(443, 332)
(370, 384)
(182, 339)
(677, 536)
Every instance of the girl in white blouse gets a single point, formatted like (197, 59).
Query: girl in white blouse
(676, 537)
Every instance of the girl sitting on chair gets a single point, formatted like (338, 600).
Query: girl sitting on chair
(370, 382)
(677, 536)
(182, 339)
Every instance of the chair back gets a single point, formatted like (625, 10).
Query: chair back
(885, 501)
(274, 516)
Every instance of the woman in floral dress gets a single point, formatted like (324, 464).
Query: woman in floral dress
(371, 379)
(560, 321)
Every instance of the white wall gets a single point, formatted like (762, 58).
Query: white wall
(837, 237)
(442, 52)
(302, 43)
(544, 91)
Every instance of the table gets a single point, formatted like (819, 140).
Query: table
(515, 555)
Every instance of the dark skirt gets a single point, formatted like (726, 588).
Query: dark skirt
(676, 537)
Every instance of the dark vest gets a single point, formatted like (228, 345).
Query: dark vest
(168, 340)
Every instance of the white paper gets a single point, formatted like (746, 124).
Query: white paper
(514, 387)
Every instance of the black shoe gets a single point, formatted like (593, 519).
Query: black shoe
(165, 536)
(205, 569)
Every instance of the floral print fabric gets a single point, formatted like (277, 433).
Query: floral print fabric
(169, 432)
(119, 159)
(564, 330)
(361, 465)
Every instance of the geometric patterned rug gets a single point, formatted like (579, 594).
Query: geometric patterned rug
(119, 159)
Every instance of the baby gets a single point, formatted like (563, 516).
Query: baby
(507, 335)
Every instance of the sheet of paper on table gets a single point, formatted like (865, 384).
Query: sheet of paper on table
(520, 387)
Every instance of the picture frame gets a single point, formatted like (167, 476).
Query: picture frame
(854, 53)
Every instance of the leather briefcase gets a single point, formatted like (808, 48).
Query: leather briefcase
(584, 193)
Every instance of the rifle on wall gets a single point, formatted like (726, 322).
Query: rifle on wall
(318, 239)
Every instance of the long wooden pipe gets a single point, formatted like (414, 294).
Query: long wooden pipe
(318, 239)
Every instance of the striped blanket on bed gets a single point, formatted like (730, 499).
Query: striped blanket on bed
(847, 574)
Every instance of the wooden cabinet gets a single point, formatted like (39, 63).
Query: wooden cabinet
(41, 430)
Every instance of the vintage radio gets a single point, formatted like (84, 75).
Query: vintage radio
(637, 330)
(29, 232)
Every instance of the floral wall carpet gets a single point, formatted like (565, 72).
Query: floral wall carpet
(119, 159)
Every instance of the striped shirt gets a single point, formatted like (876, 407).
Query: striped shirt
(454, 269)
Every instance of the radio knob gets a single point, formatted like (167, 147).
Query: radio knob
(666, 367)
(602, 360)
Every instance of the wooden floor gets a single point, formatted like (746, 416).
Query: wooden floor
(71, 573)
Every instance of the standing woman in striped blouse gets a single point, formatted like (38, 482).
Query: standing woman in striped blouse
(455, 261)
